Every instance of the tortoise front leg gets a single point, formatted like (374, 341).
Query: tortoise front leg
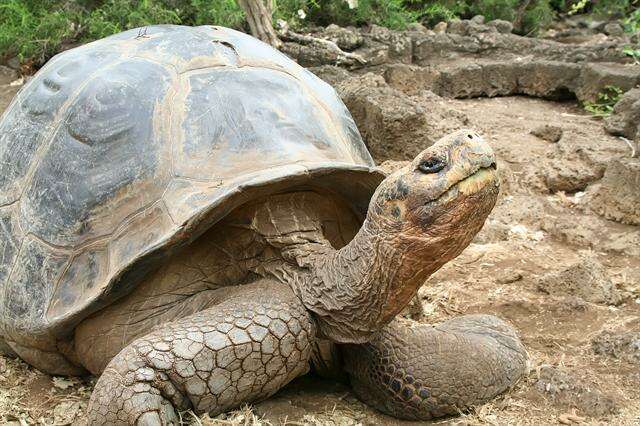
(242, 350)
(419, 372)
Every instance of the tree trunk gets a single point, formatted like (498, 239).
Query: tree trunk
(258, 14)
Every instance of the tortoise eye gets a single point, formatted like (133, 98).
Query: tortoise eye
(432, 165)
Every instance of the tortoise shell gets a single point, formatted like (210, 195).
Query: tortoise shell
(120, 151)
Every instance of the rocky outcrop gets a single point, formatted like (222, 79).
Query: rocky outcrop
(469, 58)
(595, 77)
(625, 120)
(548, 133)
(586, 279)
(618, 345)
(618, 195)
(393, 124)
(544, 79)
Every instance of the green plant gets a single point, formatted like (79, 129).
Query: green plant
(633, 53)
(605, 101)
(528, 17)
(577, 7)
(631, 23)
(119, 15)
(33, 30)
(393, 14)
(218, 12)
(431, 14)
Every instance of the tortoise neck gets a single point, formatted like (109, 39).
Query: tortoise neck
(356, 290)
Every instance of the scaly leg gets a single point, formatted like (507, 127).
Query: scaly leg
(419, 372)
(244, 349)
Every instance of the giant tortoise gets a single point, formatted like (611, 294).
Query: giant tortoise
(193, 216)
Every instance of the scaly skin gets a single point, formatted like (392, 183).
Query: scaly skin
(258, 337)
(242, 350)
(420, 372)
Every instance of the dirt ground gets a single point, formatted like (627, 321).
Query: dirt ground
(565, 277)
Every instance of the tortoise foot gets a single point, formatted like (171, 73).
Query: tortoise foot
(242, 350)
(419, 372)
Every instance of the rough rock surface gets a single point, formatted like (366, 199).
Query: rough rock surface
(568, 391)
(548, 132)
(625, 120)
(331, 74)
(346, 38)
(597, 76)
(620, 345)
(7, 90)
(618, 196)
(392, 123)
(472, 59)
(587, 279)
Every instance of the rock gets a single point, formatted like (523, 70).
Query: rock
(394, 124)
(467, 39)
(466, 27)
(418, 27)
(597, 76)
(311, 55)
(347, 39)
(457, 26)
(14, 63)
(411, 78)
(625, 119)
(374, 53)
(399, 44)
(331, 74)
(618, 196)
(586, 278)
(555, 80)
(478, 19)
(503, 27)
(626, 243)
(568, 391)
(440, 27)
(571, 169)
(546, 79)
(624, 345)
(7, 75)
(390, 121)
(10, 84)
(508, 276)
(614, 29)
(548, 133)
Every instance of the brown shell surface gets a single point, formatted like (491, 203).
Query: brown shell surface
(122, 150)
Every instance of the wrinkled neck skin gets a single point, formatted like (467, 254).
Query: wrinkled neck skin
(358, 289)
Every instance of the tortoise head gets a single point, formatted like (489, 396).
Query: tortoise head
(419, 218)
(426, 213)
(445, 193)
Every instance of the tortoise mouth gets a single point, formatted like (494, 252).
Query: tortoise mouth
(473, 183)
(478, 180)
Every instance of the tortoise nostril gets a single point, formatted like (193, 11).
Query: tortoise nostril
(470, 136)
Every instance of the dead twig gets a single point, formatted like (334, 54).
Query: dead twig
(632, 145)
(343, 57)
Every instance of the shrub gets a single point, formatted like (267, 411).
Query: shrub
(33, 31)
(118, 15)
(606, 100)
(389, 13)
